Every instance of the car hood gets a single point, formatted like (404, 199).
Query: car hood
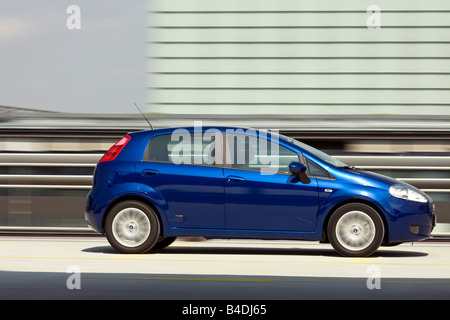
(369, 175)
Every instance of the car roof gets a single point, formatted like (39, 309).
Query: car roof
(193, 128)
(153, 132)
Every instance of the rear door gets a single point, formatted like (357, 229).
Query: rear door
(189, 184)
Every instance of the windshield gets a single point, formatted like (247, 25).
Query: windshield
(316, 153)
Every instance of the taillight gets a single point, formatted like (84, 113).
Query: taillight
(114, 151)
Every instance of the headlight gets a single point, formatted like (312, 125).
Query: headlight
(403, 192)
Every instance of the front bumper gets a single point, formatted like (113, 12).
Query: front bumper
(409, 220)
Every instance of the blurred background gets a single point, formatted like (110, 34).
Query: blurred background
(366, 82)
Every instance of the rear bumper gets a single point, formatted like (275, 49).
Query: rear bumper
(95, 209)
(92, 221)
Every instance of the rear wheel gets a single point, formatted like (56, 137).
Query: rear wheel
(132, 227)
(355, 230)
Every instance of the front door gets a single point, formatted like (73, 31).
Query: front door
(260, 192)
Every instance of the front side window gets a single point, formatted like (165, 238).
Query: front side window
(315, 152)
(316, 171)
(255, 153)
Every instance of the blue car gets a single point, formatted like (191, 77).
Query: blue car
(155, 185)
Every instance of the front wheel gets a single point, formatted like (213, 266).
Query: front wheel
(163, 243)
(132, 227)
(355, 230)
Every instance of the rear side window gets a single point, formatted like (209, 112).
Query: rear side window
(166, 148)
(158, 148)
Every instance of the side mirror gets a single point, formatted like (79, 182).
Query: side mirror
(299, 169)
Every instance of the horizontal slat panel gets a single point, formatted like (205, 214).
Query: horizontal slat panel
(298, 19)
(401, 68)
(290, 5)
(255, 108)
(304, 81)
(299, 50)
(355, 66)
(297, 35)
(289, 96)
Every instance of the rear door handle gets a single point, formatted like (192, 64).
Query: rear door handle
(235, 179)
(149, 172)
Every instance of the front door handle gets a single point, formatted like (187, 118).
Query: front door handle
(235, 179)
(149, 172)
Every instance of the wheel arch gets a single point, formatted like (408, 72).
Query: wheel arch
(361, 201)
(136, 198)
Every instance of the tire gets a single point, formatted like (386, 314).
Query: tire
(132, 227)
(392, 244)
(355, 230)
(163, 243)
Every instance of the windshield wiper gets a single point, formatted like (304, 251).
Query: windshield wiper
(350, 168)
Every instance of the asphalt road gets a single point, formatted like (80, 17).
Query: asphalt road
(35, 267)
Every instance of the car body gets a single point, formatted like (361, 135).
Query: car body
(155, 185)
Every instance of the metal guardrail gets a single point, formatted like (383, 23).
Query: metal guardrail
(398, 162)
(90, 160)
(406, 163)
(49, 159)
(84, 181)
(47, 180)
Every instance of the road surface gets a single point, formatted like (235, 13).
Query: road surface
(38, 267)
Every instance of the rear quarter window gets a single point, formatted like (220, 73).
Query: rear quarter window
(195, 151)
